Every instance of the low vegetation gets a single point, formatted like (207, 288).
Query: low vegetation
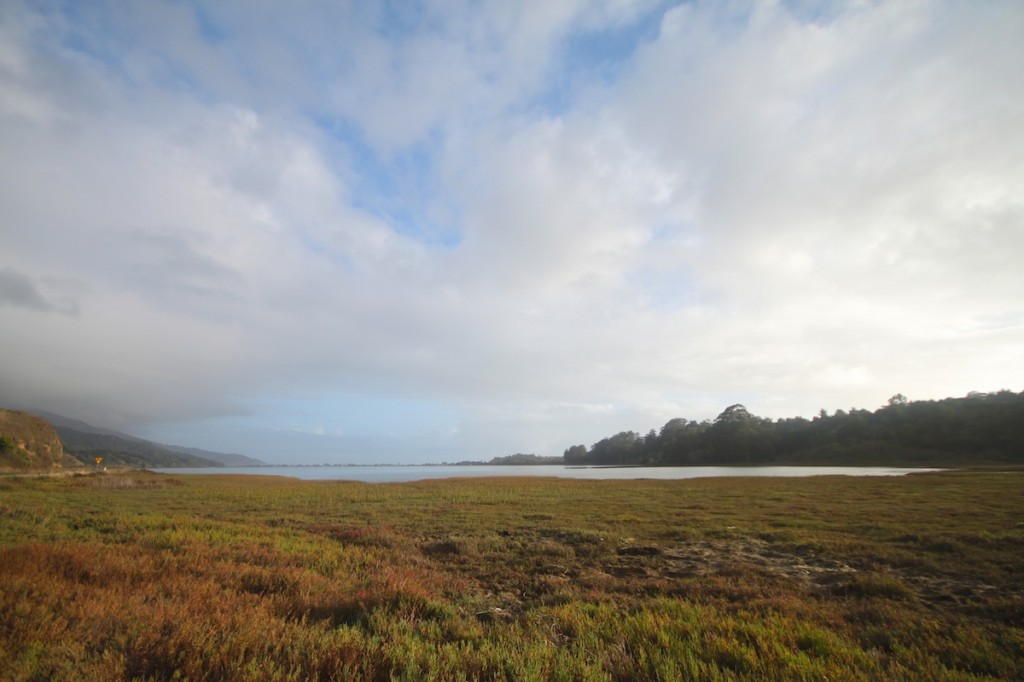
(140, 576)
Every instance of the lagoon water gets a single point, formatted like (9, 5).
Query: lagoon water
(402, 473)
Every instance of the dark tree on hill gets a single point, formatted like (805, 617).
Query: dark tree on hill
(682, 442)
(623, 447)
(981, 427)
(738, 437)
(577, 454)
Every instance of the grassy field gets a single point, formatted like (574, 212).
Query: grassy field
(156, 577)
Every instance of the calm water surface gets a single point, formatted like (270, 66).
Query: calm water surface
(399, 474)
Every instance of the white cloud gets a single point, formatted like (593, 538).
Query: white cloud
(791, 208)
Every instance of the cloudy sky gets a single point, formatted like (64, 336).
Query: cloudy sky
(412, 232)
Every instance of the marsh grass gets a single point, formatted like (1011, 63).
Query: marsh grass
(147, 577)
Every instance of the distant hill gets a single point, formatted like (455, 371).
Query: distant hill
(977, 429)
(86, 442)
(520, 459)
(118, 451)
(30, 443)
(228, 459)
(59, 421)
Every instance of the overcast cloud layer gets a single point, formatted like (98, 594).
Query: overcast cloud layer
(369, 231)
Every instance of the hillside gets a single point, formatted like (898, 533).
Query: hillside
(86, 442)
(119, 451)
(29, 442)
(228, 459)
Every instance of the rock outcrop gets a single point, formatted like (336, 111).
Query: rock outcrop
(30, 443)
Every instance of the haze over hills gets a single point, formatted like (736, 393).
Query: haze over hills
(86, 441)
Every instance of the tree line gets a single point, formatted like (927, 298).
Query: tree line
(978, 428)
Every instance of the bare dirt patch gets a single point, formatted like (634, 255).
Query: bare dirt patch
(817, 574)
(708, 557)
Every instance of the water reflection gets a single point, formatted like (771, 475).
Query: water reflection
(400, 474)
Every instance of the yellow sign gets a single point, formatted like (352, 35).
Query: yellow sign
(98, 460)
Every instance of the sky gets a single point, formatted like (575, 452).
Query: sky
(403, 232)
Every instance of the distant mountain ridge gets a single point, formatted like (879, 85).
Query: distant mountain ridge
(228, 459)
(86, 442)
